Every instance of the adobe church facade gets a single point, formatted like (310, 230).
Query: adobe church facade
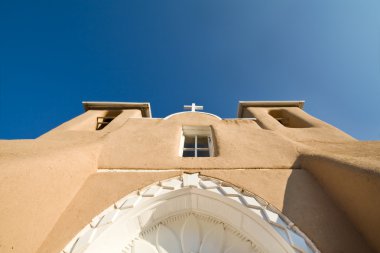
(115, 179)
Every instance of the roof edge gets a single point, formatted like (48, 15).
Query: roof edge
(243, 104)
(95, 105)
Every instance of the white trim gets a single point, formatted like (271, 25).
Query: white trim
(117, 227)
(206, 113)
(197, 131)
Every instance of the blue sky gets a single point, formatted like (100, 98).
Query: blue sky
(55, 54)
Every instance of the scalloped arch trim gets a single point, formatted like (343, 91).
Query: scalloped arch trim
(190, 213)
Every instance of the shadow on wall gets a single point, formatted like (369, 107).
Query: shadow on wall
(315, 213)
(102, 122)
(289, 119)
(98, 191)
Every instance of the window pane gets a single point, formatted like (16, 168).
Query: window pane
(188, 153)
(203, 153)
(189, 142)
(202, 142)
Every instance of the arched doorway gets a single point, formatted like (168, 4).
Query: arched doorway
(190, 214)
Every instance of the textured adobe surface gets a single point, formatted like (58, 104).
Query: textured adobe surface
(322, 179)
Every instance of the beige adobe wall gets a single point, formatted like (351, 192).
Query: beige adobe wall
(37, 182)
(88, 120)
(354, 188)
(312, 128)
(53, 179)
(155, 144)
(98, 192)
(294, 192)
(298, 195)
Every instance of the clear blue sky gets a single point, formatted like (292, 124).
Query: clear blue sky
(55, 54)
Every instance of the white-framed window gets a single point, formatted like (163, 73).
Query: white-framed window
(196, 141)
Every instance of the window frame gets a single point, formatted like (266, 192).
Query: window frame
(196, 132)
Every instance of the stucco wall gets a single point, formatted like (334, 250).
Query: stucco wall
(35, 189)
(154, 144)
(316, 130)
(50, 187)
(294, 192)
(354, 189)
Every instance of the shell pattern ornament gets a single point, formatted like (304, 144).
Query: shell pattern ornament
(192, 233)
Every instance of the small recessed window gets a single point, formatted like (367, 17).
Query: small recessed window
(196, 141)
(289, 119)
(102, 122)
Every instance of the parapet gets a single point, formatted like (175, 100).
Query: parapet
(144, 107)
(245, 104)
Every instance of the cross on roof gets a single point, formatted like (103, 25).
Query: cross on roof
(193, 107)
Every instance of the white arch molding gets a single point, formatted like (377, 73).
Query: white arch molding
(190, 214)
(204, 113)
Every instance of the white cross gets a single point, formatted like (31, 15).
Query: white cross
(193, 107)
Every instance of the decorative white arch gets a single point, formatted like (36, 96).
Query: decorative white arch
(205, 113)
(190, 214)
